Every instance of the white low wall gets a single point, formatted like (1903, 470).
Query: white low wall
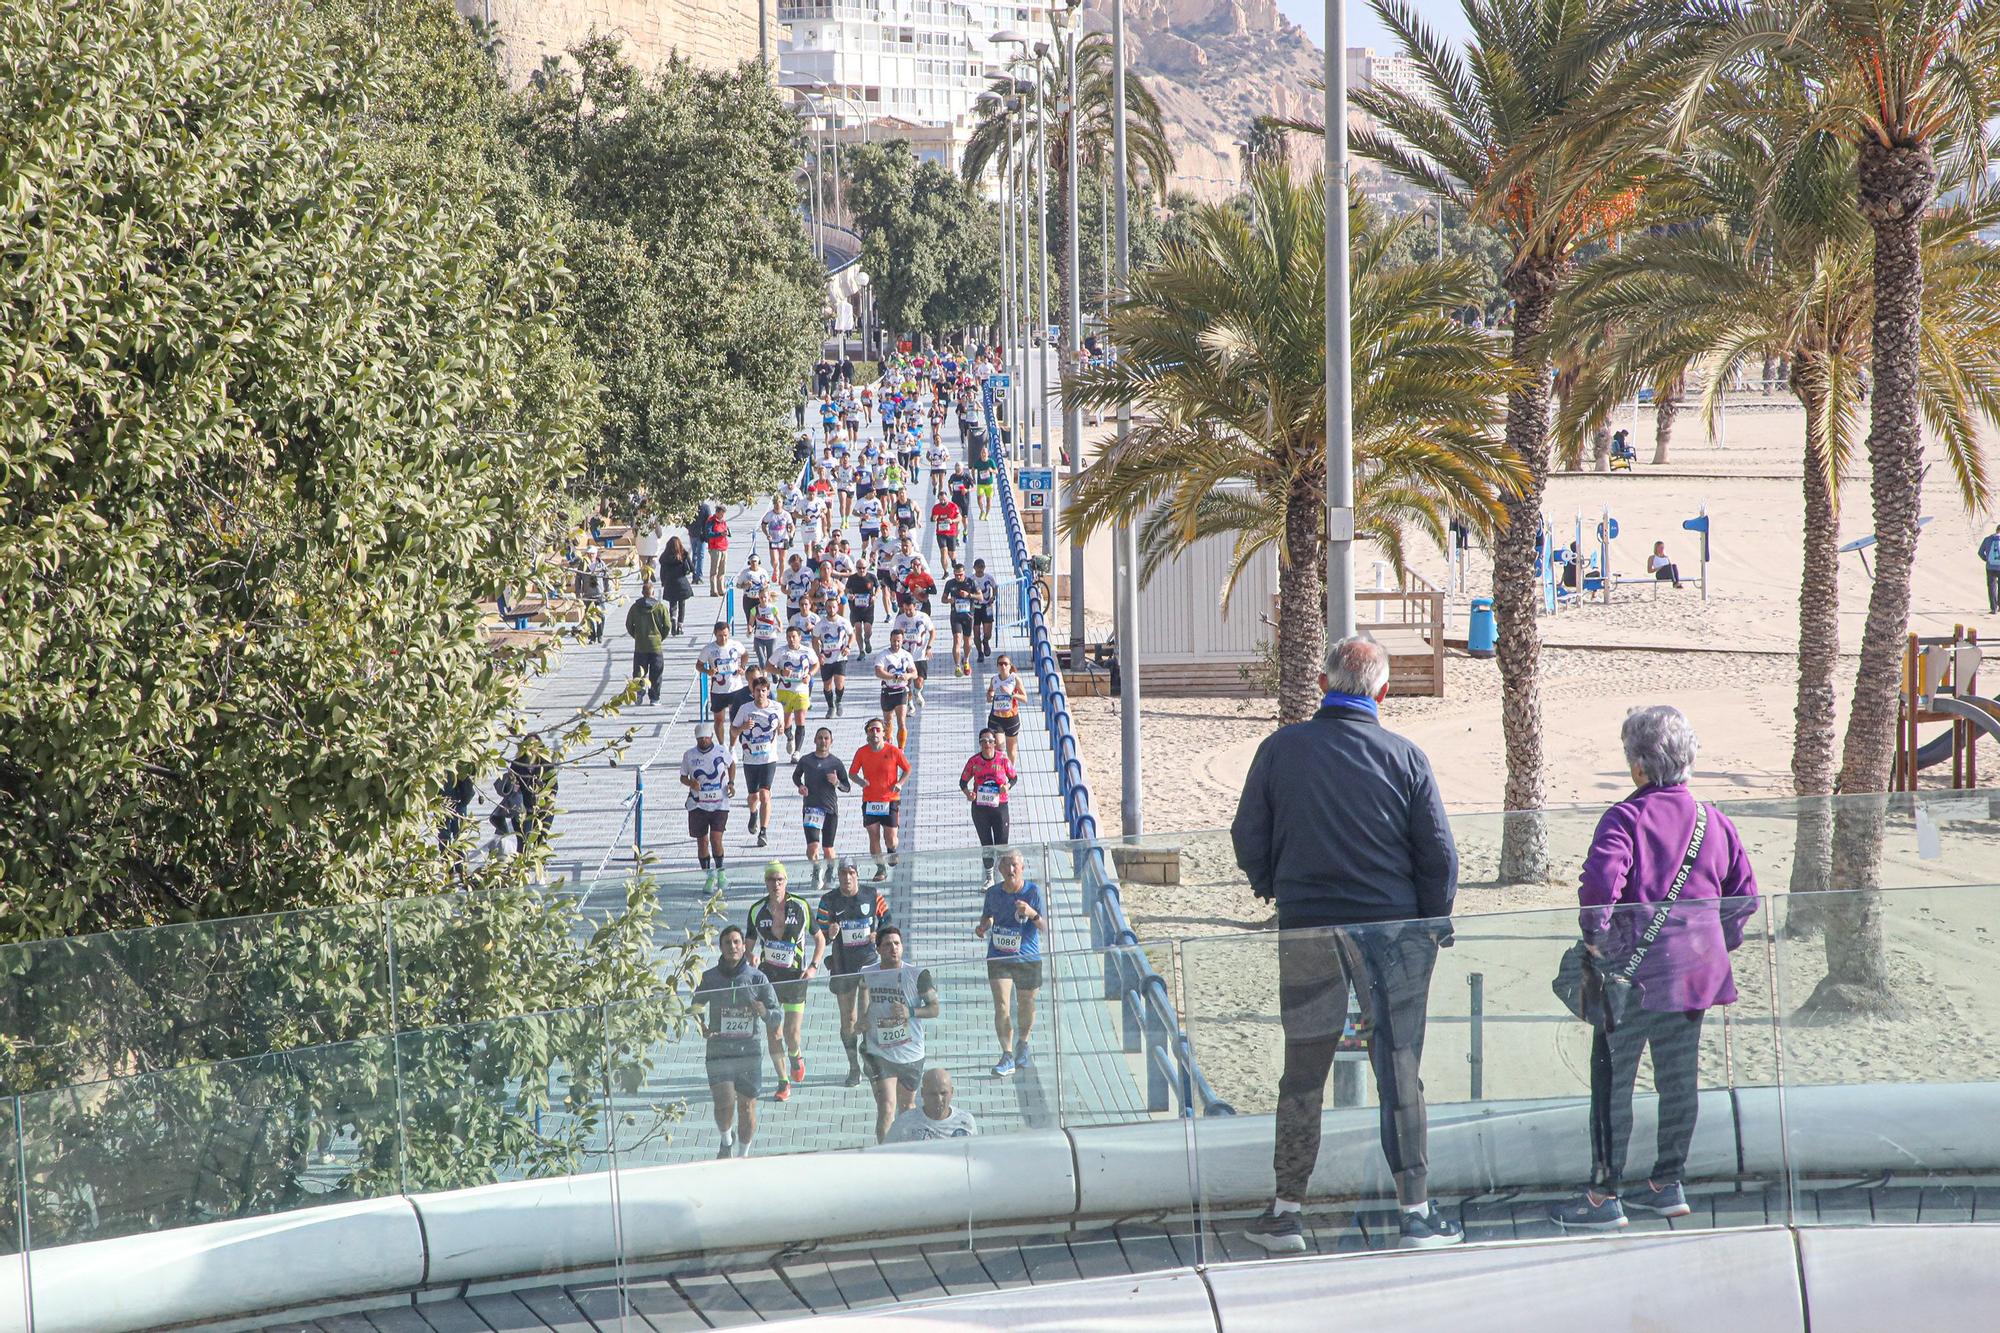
(526, 1229)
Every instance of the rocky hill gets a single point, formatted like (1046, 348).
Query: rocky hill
(1215, 66)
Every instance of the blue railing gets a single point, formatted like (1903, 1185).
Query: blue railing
(1148, 1021)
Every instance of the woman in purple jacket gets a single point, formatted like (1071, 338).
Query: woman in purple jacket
(1635, 857)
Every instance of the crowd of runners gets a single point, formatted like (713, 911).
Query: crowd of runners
(841, 554)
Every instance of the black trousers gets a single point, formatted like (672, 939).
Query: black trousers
(676, 612)
(651, 666)
(1993, 591)
(991, 824)
(1389, 967)
(1675, 1039)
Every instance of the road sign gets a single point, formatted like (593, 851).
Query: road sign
(1037, 481)
(999, 381)
(1029, 500)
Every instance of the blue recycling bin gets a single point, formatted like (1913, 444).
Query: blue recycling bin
(1481, 631)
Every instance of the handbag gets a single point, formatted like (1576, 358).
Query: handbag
(1599, 994)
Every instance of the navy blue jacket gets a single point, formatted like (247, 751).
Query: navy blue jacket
(1341, 823)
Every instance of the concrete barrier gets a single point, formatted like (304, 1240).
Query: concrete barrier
(1175, 1302)
(1866, 1279)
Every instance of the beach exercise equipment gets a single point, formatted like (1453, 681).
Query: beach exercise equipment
(1595, 574)
(1941, 684)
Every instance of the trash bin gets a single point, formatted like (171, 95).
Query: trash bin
(1480, 633)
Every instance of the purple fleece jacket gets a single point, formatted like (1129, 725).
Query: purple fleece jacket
(1633, 858)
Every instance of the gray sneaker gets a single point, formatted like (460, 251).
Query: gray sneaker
(1276, 1233)
(1588, 1213)
(1429, 1230)
(1668, 1200)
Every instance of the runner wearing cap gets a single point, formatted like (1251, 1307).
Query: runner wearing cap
(844, 923)
(729, 1001)
(780, 932)
(709, 775)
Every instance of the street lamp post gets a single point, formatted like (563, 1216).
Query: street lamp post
(861, 312)
(1069, 19)
(1132, 814)
(1042, 258)
(1339, 429)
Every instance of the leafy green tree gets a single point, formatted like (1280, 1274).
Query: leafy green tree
(697, 295)
(930, 244)
(276, 421)
(1223, 363)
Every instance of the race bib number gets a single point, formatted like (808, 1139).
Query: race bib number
(711, 789)
(738, 1023)
(864, 599)
(892, 1034)
(962, 605)
(860, 931)
(781, 953)
(988, 794)
(815, 817)
(875, 807)
(755, 752)
(1005, 939)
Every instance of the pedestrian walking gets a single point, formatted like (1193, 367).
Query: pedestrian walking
(647, 621)
(678, 571)
(1667, 888)
(1341, 825)
(1989, 554)
(593, 589)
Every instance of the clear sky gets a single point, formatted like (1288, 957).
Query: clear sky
(1362, 27)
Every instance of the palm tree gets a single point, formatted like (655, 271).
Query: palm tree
(1485, 141)
(1776, 267)
(1222, 359)
(1149, 161)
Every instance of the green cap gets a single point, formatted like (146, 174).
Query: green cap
(773, 867)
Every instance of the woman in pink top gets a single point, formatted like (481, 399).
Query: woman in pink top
(985, 780)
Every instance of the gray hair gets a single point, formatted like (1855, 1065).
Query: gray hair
(1357, 665)
(1660, 742)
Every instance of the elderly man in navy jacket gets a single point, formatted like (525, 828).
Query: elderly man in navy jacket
(1341, 825)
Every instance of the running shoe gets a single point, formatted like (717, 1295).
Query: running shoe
(763, 839)
(881, 873)
(799, 1068)
(728, 1145)
(1429, 1230)
(1022, 1057)
(1276, 1233)
(1005, 1067)
(784, 1092)
(1586, 1212)
(753, 821)
(1668, 1200)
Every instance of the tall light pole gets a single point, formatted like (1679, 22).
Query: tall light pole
(1068, 19)
(1339, 429)
(1042, 258)
(1131, 806)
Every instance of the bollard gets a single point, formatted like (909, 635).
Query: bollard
(1475, 1055)
(729, 606)
(638, 813)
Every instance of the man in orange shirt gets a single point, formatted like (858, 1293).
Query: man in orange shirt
(880, 767)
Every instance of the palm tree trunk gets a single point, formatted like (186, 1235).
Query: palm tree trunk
(1813, 735)
(1302, 601)
(1524, 851)
(1663, 423)
(1896, 183)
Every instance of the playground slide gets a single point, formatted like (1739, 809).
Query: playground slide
(1982, 713)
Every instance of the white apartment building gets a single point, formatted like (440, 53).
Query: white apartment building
(1368, 68)
(921, 61)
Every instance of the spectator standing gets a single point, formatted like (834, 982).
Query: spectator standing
(1342, 826)
(717, 537)
(697, 531)
(593, 588)
(1664, 865)
(534, 774)
(678, 571)
(652, 539)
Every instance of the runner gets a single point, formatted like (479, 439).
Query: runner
(1004, 695)
(881, 769)
(920, 585)
(834, 638)
(983, 472)
(984, 608)
(900, 998)
(843, 486)
(1012, 928)
(945, 521)
(961, 596)
(937, 456)
(755, 727)
(796, 581)
(845, 922)
(765, 627)
(868, 512)
(723, 662)
(862, 590)
(905, 512)
(919, 637)
(960, 484)
(709, 775)
(778, 531)
(819, 777)
(805, 620)
(780, 928)
(796, 665)
(986, 780)
(897, 670)
(729, 1001)
(751, 584)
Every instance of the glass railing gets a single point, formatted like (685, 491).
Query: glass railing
(1840, 1069)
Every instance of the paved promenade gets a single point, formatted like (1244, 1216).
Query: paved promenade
(935, 893)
